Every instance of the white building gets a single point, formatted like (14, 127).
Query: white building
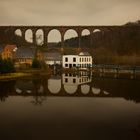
(82, 61)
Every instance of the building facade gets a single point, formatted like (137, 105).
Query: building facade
(52, 58)
(24, 56)
(81, 61)
(70, 61)
(9, 51)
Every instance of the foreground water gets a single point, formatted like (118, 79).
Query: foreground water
(70, 106)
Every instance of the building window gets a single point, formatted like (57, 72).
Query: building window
(66, 65)
(80, 60)
(74, 59)
(74, 75)
(74, 80)
(66, 80)
(66, 59)
(74, 65)
(85, 59)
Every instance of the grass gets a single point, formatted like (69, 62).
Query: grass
(13, 75)
(24, 73)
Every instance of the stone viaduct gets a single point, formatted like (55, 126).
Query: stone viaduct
(64, 29)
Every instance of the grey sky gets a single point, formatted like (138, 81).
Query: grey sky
(68, 12)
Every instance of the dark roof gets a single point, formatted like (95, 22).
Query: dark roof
(53, 56)
(25, 52)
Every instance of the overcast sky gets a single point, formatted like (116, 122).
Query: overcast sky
(68, 12)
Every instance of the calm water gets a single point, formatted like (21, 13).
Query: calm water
(70, 106)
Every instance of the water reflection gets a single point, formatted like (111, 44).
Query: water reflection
(34, 87)
(70, 84)
(6, 88)
(96, 91)
(54, 84)
(24, 86)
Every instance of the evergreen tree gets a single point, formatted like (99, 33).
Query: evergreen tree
(6, 65)
(36, 63)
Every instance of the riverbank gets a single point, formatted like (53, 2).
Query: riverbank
(96, 71)
(24, 73)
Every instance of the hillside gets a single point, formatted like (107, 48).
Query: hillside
(119, 41)
(115, 46)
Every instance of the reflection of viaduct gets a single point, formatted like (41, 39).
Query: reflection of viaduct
(128, 89)
(63, 29)
(48, 88)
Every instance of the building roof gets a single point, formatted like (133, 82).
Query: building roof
(11, 48)
(84, 53)
(70, 55)
(53, 56)
(25, 52)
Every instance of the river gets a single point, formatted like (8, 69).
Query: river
(70, 106)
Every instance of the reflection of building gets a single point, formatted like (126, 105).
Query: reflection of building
(75, 79)
(24, 86)
(82, 61)
(28, 87)
(72, 81)
(9, 51)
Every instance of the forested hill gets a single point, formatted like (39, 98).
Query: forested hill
(126, 41)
